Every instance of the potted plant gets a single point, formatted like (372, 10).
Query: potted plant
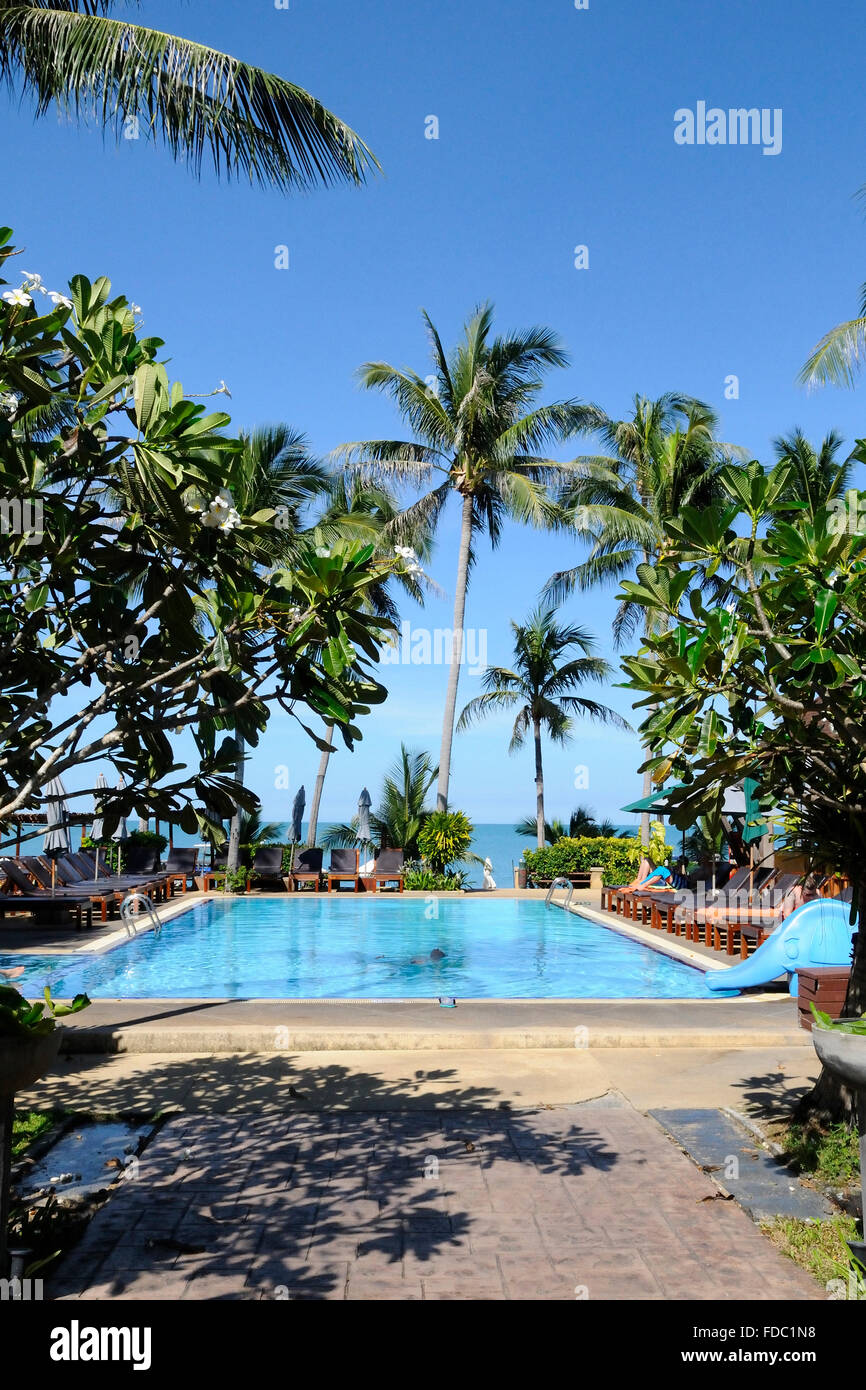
(29, 1041)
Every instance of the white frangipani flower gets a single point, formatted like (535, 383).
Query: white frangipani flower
(19, 298)
(221, 513)
(57, 298)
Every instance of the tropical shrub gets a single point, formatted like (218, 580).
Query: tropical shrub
(445, 838)
(658, 849)
(395, 822)
(618, 858)
(420, 878)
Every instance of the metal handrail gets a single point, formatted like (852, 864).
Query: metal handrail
(559, 883)
(128, 916)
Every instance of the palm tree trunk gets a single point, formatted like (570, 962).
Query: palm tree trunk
(647, 753)
(645, 815)
(312, 828)
(234, 849)
(539, 785)
(456, 655)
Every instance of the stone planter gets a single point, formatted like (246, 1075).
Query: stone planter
(844, 1054)
(24, 1060)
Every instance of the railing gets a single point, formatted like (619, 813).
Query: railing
(559, 883)
(128, 914)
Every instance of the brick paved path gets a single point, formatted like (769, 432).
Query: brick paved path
(588, 1200)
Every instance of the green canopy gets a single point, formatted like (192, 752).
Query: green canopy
(657, 802)
(754, 827)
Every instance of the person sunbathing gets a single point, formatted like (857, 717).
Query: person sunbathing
(658, 878)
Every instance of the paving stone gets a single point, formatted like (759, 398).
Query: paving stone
(318, 1206)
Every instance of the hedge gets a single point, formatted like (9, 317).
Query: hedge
(618, 858)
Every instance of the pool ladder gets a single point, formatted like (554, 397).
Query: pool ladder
(128, 914)
(559, 883)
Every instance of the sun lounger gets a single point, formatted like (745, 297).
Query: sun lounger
(306, 868)
(18, 876)
(42, 907)
(268, 865)
(76, 870)
(344, 869)
(745, 924)
(682, 911)
(692, 915)
(180, 867)
(389, 869)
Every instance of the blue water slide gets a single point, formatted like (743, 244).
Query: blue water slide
(816, 933)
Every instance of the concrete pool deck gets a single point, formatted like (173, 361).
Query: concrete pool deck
(274, 1025)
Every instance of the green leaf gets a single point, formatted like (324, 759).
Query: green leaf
(825, 607)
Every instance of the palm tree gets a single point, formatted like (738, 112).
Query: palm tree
(370, 514)
(475, 423)
(400, 815)
(818, 478)
(197, 101)
(275, 471)
(541, 689)
(663, 458)
(582, 821)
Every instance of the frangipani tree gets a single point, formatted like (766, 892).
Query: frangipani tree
(771, 683)
(136, 599)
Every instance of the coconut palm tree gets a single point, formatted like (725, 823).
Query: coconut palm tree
(541, 689)
(275, 471)
(368, 513)
(582, 821)
(479, 435)
(836, 360)
(818, 478)
(198, 102)
(398, 818)
(663, 458)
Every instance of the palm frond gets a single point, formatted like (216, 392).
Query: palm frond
(197, 101)
(838, 357)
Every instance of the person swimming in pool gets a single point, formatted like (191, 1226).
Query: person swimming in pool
(435, 955)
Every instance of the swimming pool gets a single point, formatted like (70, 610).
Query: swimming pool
(361, 948)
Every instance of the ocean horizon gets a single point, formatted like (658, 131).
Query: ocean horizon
(496, 840)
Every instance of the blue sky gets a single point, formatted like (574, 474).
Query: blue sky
(556, 129)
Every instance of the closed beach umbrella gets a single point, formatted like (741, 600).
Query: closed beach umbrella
(121, 833)
(56, 840)
(298, 814)
(97, 830)
(364, 804)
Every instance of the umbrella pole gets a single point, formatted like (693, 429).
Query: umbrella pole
(53, 873)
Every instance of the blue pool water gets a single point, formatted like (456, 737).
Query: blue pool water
(359, 948)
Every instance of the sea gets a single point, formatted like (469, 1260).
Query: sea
(498, 842)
